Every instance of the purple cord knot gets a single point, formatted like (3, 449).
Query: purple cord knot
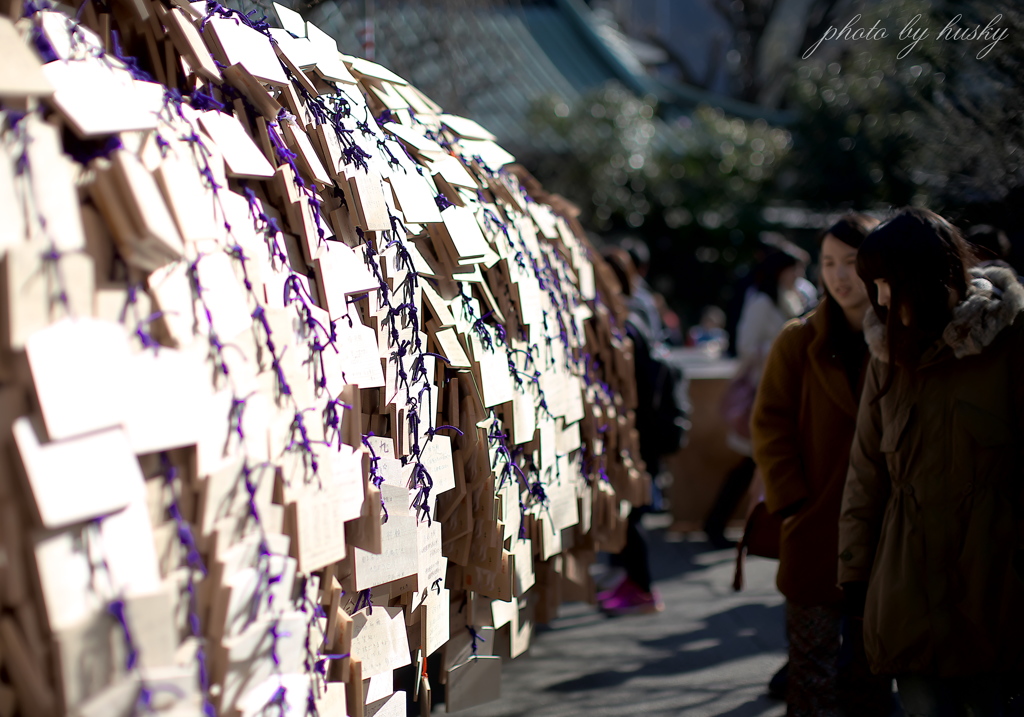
(475, 636)
(356, 155)
(364, 600)
(421, 476)
(117, 609)
(202, 101)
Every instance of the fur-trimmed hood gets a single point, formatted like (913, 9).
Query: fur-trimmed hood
(994, 298)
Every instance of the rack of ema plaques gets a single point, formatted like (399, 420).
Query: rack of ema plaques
(300, 388)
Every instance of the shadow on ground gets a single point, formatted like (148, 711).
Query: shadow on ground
(725, 637)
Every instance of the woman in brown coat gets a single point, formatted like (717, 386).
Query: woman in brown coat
(932, 523)
(803, 424)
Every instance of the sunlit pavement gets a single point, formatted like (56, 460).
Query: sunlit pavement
(711, 652)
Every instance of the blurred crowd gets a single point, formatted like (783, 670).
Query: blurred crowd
(878, 422)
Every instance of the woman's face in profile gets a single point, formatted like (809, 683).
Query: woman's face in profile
(885, 299)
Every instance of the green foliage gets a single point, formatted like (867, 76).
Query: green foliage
(938, 127)
(725, 167)
(975, 116)
(859, 133)
(609, 138)
(694, 189)
(627, 169)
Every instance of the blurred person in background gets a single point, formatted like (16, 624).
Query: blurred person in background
(931, 530)
(768, 244)
(672, 327)
(771, 301)
(803, 286)
(643, 301)
(710, 334)
(802, 427)
(660, 423)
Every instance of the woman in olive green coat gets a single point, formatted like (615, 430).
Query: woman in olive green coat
(932, 524)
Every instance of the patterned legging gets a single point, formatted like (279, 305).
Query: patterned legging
(828, 673)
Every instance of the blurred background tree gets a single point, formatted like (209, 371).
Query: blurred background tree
(974, 124)
(693, 188)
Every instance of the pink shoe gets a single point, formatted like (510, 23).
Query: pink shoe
(612, 592)
(631, 600)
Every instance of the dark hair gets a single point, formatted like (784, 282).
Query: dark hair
(622, 267)
(923, 258)
(638, 252)
(766, 274)
(851, 229)
(989, 242)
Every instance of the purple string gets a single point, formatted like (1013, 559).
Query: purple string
(146, 692)
(321, 664)
(376, 477)
(286, 156)
(270, 228)
(332, 420)
(130, 63)
(492, 218)
(296, 292)
(194, 559)
(483, 165)
(116, 608)
(393, 161)
(266, 580)
(476, 637)
(260, 314)
(39, 40)
(32, 7)
(51, 257)
(216, 347)
(278, 698)
(364, 600)
(511, 471)
(215, 8)
(439, 138)
(363, 125)
(195, 563)
(314, 666)
(442, 201)
(275, 636)
(421, 476)
(203, 101)
(480, 329)
(51, 261)
(299, 424)
(236, 415)
(432, 431)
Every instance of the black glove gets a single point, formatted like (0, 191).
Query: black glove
(855, 594)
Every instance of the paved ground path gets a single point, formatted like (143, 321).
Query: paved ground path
(711, 652)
